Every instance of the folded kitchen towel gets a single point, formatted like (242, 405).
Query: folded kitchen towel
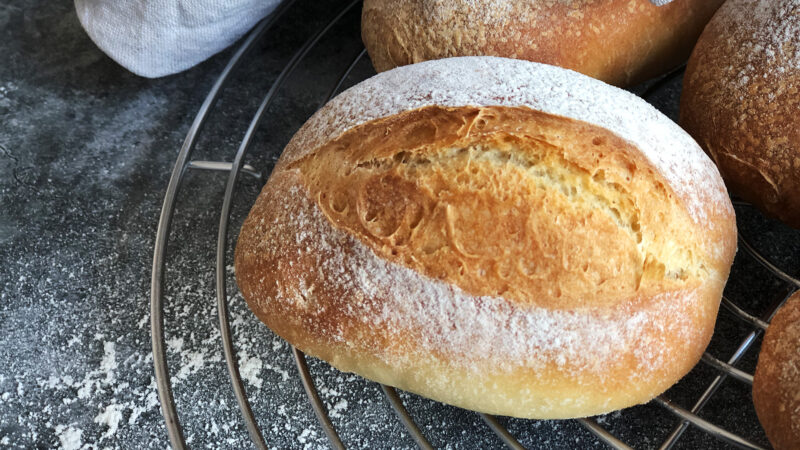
(153, 38)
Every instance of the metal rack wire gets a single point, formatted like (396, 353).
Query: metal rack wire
(234, 168)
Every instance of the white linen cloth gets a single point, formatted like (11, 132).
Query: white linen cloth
(153, 38)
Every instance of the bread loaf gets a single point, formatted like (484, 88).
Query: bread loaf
(500, 235)
(776, 384)
(741, 101)
(621, 42)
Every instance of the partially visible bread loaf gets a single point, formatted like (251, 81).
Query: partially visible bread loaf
(496, 234)
(776, 385)
(741, 101)
(621, 42)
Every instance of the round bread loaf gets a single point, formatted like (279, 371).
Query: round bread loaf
(741, 101)
(776, 384)
(500, 235)
(621, 42)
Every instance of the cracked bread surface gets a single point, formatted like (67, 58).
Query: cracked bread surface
(491, 255)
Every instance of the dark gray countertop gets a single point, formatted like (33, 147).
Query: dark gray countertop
(86, 150)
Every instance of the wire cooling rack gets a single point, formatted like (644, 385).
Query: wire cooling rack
(684, 418)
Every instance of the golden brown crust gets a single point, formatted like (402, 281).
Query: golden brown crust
(740, 101)
(621, 42)
(368, 246)
(776, 384)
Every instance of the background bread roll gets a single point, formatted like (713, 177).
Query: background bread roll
(621, 42)
(496, 234)
(741, 101)
(776, 384)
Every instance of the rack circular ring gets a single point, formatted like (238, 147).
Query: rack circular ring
(184, 163)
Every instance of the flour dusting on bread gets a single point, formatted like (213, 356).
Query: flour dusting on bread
(490, 81)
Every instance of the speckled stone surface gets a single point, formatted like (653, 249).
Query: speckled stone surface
(86, 150)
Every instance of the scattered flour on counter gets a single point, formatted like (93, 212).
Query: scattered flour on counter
(143, 321)
(250, 368)
(151, 401)
(191, 362)
(240, 320)
(111, 416)
(98, 382)
(57, 383)
(307, 433)
(108, 365)
(338, 409)
(69, 437)
(97, 379)
(282, 372)
(175, 344)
